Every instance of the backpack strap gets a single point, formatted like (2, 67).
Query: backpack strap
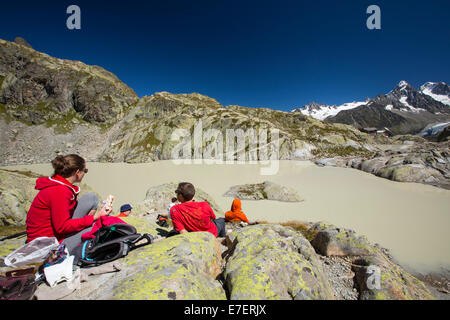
(146, 236)
(83, 251)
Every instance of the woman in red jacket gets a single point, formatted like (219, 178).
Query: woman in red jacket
(55, 211)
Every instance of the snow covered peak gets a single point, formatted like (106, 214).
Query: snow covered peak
(403, 86)
(439, 91)
(322, 111)
(428, 86)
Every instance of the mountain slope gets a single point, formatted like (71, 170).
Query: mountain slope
(438, 91)
(404, 110)
(145, 133)
(36, 88)
(50, 106)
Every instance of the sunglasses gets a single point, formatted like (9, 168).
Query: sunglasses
(85, 170)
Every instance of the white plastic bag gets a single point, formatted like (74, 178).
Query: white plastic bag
(33, 252)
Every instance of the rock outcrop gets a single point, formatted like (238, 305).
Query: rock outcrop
(16, 194)
(23, 42)
(393, 282)
(274, 262)
(37, 88)
(157, 199)
(414, 160)
(264, 191)
(181, 267)
(333, 241)
(377, 276)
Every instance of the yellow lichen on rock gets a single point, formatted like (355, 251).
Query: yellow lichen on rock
(274, 262)
(180, 267)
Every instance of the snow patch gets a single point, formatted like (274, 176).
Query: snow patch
(410, 107)
(441, 98)
(326, 111)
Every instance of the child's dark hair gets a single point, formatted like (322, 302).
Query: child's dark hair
(66, 166)
(174, 199)
(187, 190)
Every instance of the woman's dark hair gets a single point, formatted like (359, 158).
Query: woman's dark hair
(66, 166)
(187, 190)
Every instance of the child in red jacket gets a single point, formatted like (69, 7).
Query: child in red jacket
(55, 211)
(191, 216)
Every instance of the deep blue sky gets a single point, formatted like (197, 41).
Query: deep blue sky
(276, 54)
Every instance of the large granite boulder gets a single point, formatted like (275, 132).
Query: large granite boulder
(16, 194)
(379, 278)
(373, 165)
(183, 267)
(159, 197)
(273, 262)
(264, 191)
(377, 275)
(410, 173)
(333, 241)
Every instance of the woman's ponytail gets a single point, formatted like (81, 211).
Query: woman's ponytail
(66, 166)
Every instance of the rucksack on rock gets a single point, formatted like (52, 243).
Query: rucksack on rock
(111, 242)
(18, 284)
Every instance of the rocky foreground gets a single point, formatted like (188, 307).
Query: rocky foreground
(265, 261)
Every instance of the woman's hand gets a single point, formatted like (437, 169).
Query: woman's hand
(103, 212)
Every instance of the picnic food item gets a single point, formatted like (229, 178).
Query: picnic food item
(108, 202)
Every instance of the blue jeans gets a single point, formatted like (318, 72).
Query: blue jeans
(220, 224)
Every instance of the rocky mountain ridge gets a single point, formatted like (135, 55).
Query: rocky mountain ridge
(37, 88)
(50, 105)
(404, 110)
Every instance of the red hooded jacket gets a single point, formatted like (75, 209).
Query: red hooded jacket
(51, 211)
(193, 216)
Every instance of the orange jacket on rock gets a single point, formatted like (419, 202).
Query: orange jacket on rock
(236, 213)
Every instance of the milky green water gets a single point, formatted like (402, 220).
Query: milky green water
(412, 220)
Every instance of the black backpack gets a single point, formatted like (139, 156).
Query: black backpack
(111, 242)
